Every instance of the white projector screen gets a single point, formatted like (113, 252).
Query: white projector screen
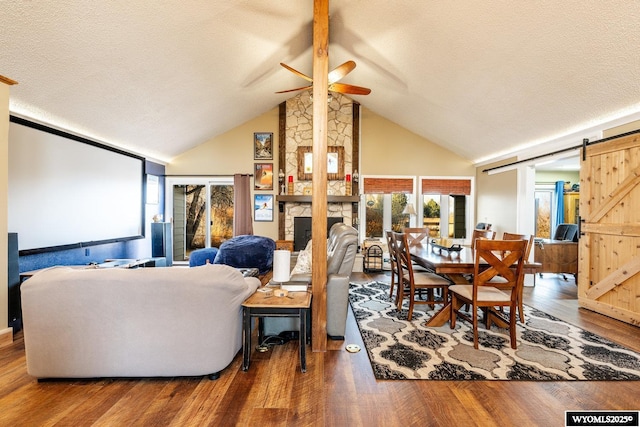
(67, 191)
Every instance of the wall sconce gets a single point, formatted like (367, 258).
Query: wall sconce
(355, 176)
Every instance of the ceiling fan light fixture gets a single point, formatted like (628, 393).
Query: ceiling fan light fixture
(333, 77)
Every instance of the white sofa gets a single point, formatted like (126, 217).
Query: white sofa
(147, 322)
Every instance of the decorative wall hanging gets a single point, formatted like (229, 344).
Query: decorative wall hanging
(335, 163)
(263, 207)
(263, 176)
(263, 146)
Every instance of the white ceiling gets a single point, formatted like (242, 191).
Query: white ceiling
(481, 78)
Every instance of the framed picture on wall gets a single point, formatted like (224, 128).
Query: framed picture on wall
(263, 146)
(335, 163)
(263, 207)
(263, 176)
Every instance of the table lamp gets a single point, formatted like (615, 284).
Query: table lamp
(281, 266)
(409, 210)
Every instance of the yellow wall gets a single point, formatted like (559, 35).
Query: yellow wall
(389, 149)
(386, 149)
(230, 153)
(572, 177)
(4, 182)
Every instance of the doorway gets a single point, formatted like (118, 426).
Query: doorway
(202, 212)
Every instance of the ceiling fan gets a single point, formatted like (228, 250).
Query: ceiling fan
(333, 77)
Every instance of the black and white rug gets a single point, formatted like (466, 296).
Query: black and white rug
(548, 348)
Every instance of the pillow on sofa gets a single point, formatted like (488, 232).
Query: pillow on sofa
(303, 263)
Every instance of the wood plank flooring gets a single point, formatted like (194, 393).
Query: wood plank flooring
(338, 389)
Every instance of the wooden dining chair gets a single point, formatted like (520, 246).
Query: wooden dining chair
(497, 281)
(417, 235)
(393, 260)
(396, 268)
(528, 237)
(493, 258)
(481, 234)
(414, 280)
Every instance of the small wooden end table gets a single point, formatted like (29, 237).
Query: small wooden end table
(295, 304)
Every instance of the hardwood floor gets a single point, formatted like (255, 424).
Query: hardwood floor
(338, 389)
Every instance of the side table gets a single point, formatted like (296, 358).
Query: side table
(295, 304)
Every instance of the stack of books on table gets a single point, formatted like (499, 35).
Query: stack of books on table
(292, 286)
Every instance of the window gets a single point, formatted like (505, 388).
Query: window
(385, 201)
(431, 213)
(446, 203)
(202, 213)
(543, 207)
(385, 212)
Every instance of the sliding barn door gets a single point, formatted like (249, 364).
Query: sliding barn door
(608, 279)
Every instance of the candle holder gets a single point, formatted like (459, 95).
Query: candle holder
(290, 186)
(347, 185)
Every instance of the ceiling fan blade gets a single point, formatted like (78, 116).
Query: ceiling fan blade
(296, 72)
(340, 71)
(296, 89)
(350, 89)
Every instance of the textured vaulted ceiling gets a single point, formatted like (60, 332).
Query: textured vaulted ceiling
(478, 77)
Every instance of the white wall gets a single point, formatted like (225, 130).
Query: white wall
(497, 198)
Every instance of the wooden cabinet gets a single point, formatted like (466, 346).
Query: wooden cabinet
(557, 256)
(571, 207)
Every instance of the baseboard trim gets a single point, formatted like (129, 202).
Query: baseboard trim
(6, 337)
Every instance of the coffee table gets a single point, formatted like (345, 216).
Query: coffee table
(295, 304)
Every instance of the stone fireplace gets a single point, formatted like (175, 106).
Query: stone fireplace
(296, 130)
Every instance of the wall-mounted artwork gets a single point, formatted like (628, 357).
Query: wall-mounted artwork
(335, 163)
(263, 207)
(263, 146)
(263, 176)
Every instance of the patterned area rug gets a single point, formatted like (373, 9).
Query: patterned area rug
(548, 348)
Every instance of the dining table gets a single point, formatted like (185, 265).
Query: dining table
(452, 264)
(456, 265)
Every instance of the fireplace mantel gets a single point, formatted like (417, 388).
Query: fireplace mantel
(307, 199)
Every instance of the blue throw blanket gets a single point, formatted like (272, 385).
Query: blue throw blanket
(247, 251)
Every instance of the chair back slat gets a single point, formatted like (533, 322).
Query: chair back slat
(514, 236)
(390, 245)
(481, 234)
(417, 235)
(504, 258)
(403, 256)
